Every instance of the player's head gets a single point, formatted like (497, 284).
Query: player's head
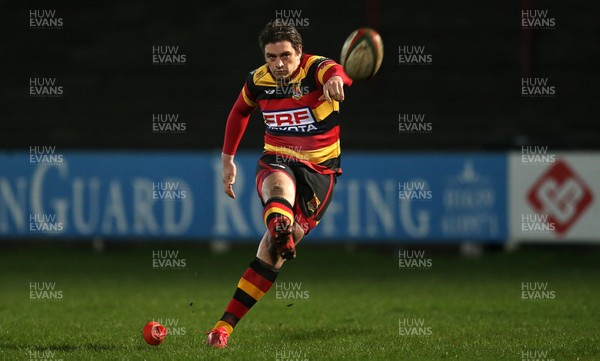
(282, 47)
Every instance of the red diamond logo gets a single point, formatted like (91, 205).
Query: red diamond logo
(562, 195)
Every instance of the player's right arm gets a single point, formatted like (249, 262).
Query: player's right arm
(234, 130)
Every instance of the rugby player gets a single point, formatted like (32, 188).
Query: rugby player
(298, 95)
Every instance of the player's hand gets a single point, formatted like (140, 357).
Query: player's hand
(333, 89)
(229, 172)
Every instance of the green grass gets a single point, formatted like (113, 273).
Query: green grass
(471, 307)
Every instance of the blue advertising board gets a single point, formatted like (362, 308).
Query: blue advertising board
(381, 197)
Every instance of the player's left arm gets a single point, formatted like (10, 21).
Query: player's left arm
(332, 77)
(234, 130)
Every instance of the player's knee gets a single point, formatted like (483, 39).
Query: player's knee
(277, 191)
(278, 184)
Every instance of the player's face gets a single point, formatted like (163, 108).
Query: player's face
(283, 60)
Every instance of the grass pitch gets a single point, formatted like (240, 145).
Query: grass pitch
(328, 304)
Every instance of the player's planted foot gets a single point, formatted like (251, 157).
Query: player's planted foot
(217, 338)
(282, 236)
(286, 248)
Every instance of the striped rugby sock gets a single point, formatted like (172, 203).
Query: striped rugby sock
(253, 285)
(277, 207)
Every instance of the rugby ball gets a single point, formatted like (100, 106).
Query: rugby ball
(362, 54)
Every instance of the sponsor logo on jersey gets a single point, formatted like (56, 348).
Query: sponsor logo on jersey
(298, 120)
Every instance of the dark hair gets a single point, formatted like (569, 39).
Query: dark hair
(276, 31)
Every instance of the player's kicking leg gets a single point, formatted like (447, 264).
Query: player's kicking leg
(277, 190)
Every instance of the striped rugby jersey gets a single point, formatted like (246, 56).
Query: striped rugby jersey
(297, 124)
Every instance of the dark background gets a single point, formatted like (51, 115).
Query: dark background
(471, 93)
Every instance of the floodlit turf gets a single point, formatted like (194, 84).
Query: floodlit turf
(357, 305)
